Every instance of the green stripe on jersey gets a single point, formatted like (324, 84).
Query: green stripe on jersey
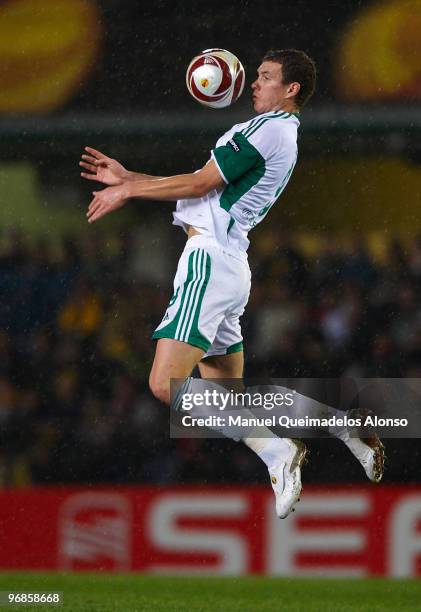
(254, 129)
(248, 175)
(263, 211)
(237, 157)
(257, 120)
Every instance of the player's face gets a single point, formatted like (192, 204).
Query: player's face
(269, 93)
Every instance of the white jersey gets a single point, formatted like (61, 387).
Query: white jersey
(256, 160)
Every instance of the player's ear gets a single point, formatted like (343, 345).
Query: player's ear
(293, 89)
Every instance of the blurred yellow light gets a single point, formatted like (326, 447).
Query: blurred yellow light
(379, 55)
(47, 47)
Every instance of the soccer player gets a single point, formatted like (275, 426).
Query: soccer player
(217, 206)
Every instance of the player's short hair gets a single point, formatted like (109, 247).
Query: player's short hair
(297, 67)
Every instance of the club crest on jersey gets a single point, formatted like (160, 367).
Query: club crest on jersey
(234, 146)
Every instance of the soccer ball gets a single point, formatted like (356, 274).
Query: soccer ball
(215, 78)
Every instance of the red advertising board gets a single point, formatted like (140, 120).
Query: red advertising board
(340, 531)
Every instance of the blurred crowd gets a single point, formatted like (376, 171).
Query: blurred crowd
(75, 343)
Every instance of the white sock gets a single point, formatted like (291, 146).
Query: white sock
(358, 448)
(271, 450)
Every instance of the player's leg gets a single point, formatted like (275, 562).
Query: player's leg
(173, 360)
(284, 457)
(368, 450)
(313, 399)
(223, 366)
(212, 287)
(370, 453)
(181, 341)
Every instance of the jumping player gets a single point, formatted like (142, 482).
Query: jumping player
(217, 206)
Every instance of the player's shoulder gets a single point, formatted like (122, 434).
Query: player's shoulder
(269, 123)
(270, 133)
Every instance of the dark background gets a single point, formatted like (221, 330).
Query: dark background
(148, 46)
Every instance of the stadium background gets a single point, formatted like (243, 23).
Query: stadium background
(337, 282)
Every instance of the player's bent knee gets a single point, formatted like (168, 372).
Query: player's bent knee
(160, 389)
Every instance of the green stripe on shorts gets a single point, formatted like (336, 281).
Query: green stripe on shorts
(169, 330)
(235, 348)
(193, 335)
(184, 326)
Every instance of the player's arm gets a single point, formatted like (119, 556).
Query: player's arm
(193, 185)
(139, 176)
(99, 167)
(182, 186)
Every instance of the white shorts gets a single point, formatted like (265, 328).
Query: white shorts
(211, 290)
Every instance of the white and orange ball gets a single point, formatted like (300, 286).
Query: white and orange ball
(215, 78)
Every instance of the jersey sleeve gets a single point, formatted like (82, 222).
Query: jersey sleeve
(236, 157)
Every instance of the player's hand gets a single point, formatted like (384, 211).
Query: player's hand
(102, 168)
(106, 201)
